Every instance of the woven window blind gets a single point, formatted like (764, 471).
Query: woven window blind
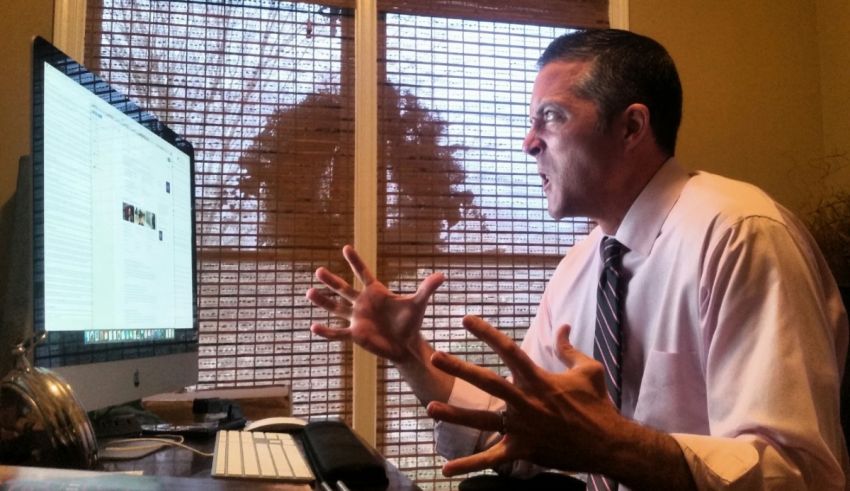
(459, 195)
(263, 90)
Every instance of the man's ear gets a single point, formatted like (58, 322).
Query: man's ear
(636, 127)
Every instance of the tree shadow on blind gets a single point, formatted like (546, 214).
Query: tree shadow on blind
(300, 171)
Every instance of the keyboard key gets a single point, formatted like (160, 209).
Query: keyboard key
(219, 460)
(264, 456)
(296, 460)
(250, 454)
(279, 458)
(234, 454)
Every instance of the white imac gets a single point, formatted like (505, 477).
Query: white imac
(113, 239)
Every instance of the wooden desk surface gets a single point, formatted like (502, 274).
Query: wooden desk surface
(167, 469)
(41, 478)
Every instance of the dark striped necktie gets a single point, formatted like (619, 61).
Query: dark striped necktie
(607, 341)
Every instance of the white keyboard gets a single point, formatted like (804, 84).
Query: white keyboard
(257, 455)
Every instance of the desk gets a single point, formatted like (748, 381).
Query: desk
(167, 469)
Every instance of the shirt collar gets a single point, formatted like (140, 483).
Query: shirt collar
(642, 223)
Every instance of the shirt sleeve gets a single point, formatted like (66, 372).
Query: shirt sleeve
(771, 361)
(743, 463)
(452, 440)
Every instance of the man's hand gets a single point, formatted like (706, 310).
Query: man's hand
(557, 420)
(380, 321)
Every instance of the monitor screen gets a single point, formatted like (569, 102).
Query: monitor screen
(113, 236)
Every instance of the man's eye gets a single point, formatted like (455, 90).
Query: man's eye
(550, 115)
(546, 116)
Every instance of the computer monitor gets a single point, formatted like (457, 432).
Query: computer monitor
(113, 242)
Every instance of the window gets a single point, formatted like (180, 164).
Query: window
(260, 88)
(264, 90)
(464, 199)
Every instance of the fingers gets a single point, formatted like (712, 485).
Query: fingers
(427, 288)
(358, 267)
(332, 333)
(337, 284)
(483, 378)
(515, 358)
(488, 459)
(568, 353)
(340, 309)
(473, 418)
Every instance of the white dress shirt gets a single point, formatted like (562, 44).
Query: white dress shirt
(734, 335)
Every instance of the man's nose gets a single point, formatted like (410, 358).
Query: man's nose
(532, 145)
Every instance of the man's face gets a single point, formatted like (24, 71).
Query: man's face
(575, 159)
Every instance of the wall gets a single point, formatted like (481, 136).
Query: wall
(20, 21)
(833, 24)
(751, 77)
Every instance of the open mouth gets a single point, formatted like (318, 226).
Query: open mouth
(545, 181)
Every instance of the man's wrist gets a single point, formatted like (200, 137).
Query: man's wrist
(428, 383)
(631, 450)
(418, 354)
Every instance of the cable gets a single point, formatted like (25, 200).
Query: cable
(149, 444)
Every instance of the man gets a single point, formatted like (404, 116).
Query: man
(721, 342)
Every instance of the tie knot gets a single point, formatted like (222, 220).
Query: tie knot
(611, 250)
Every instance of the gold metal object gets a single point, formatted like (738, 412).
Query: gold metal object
(41, 421)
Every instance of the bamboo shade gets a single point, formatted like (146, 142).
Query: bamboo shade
(458, 194)
(264, 91)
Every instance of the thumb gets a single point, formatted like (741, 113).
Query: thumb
(568, 353)
(428, 286)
